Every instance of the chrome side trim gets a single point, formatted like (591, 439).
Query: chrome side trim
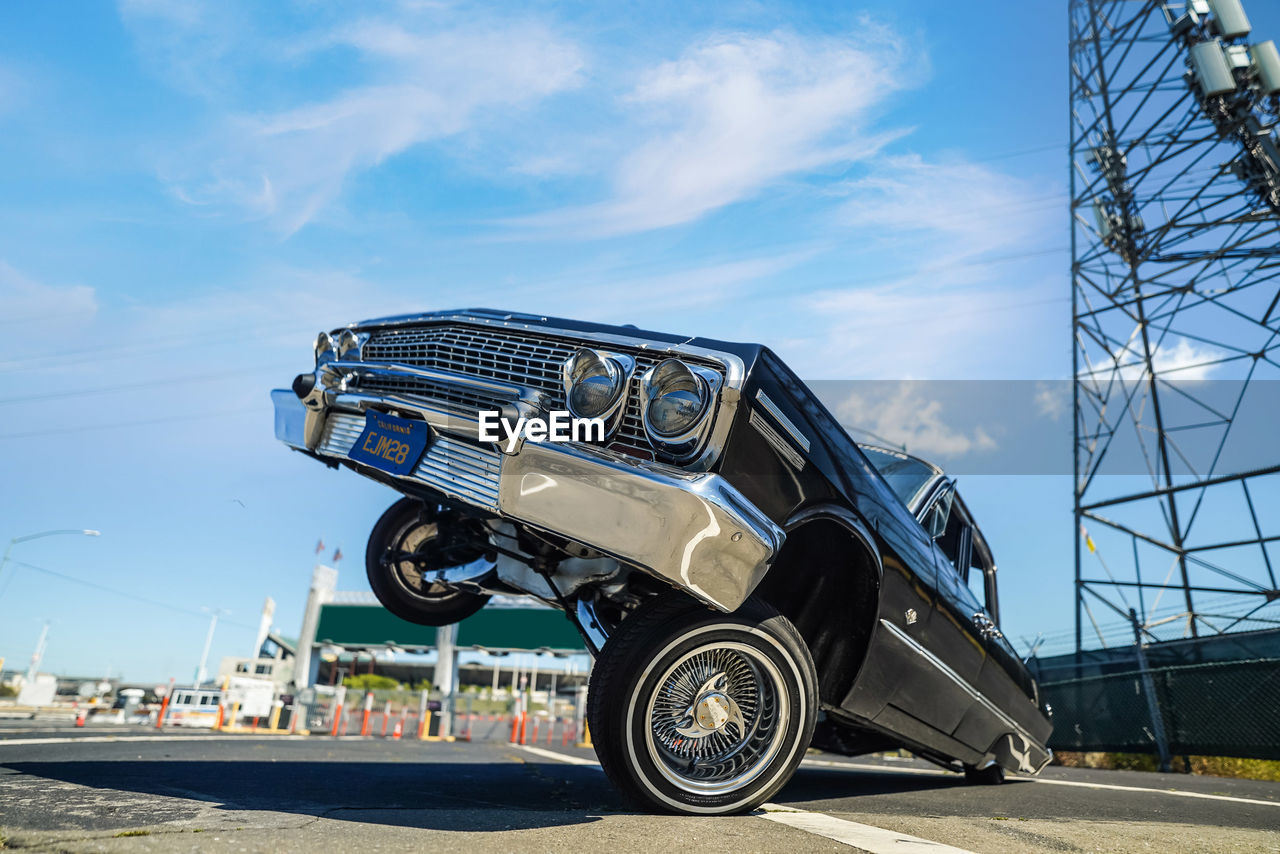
(781, 445)
(787, 424)
(946, 671)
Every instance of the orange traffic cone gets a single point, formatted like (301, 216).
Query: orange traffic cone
(80, 716)
(395, 733)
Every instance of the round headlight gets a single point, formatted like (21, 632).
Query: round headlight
(595, 383)
(676, 399)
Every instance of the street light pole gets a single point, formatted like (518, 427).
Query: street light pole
(38, 656)
(86, 532)
(202, 671)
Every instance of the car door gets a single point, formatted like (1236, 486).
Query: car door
(953, 638)
(1009, 700)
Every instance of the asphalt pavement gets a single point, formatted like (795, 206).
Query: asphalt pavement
(131, 789)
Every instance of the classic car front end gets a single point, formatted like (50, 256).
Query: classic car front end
(741, 570)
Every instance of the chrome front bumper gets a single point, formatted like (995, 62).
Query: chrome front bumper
(692, 529)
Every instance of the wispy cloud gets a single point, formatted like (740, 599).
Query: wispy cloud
(973, 208)
(417, 79)
(903, 416)
(692, 291)
(736, 114)
(31, 307)
(938, 237)
(1178, 359)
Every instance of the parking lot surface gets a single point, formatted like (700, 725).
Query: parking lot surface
(131, 789)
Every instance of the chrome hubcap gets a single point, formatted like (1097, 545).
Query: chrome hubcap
(717, 717)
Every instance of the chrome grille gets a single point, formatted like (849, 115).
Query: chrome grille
(530, 361)
(452, 467)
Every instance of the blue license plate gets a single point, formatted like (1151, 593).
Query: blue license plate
(391, 444)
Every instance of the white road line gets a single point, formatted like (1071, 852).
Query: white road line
(131, 738)
(875, 840)
(559, 757)
(867, 766)
(1048, 781)
(1179, 793)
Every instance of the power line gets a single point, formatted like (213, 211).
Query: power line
(93, 428)
(131, 347)
(123, 593)
(84, 392)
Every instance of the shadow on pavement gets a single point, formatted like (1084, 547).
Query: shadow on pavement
(495, 796)
(812, 784)
(476, 796)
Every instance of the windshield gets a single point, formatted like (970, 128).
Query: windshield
(906, 476)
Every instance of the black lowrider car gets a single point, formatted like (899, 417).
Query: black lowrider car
(750, 579)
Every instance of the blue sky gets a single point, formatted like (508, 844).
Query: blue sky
(188, 192)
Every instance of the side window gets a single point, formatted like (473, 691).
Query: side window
(981, 580)
(977, 582)
(935, 519)
(950, 531)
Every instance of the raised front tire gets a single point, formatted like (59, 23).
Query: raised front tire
(692, 711)
(990, 775)
(409, 541)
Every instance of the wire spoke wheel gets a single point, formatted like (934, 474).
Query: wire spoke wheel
(716, 719)
(697, 712)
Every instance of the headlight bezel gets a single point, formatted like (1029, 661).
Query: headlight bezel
(349, 345)
(619, 365)
(325, 348)
(683, 445)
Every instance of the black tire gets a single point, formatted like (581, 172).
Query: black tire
(991, 775)
(407, 526)
(753, 657)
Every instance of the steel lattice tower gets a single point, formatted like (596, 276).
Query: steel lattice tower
(1175, 202)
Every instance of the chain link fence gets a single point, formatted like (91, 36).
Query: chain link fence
(1224, 708)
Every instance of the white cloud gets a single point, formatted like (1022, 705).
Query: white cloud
(933, 297)
(734, 115)
(904, 416)
(1052, 399)
(1178, 359)
(424, 81)
(1185, 360)
(972, 208)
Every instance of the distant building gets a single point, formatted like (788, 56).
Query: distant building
(273, 662)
